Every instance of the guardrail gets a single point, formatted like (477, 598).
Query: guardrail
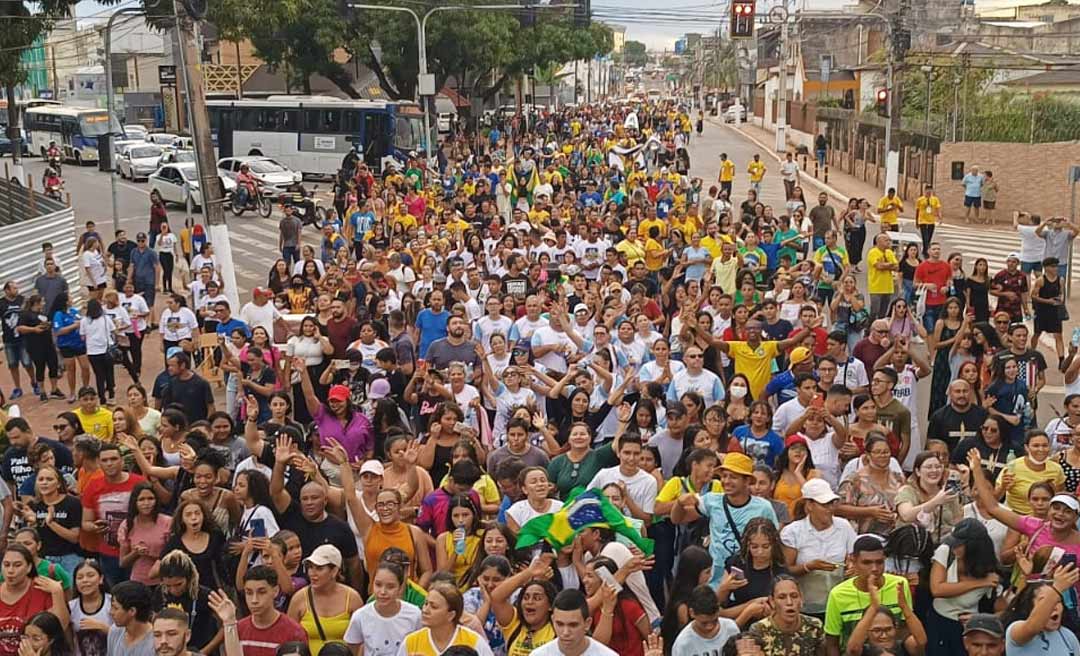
(27, 220)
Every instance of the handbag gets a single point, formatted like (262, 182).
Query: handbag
(1062, 312)
(113, 350)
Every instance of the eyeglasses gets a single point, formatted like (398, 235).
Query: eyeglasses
(386, 504)
(695, 355)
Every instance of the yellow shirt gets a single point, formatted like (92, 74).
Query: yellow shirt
(674, 488)
(636, 178)
(407, 220)
(927, 210)
(713, 245)
(727, 170)
(724, 273)
(525, 641)
(879, 281)
(98, 424)
(485, 486)
(889, 216)
(755, 364)
(633, 250)
(654, 255)
(419, 643)
(643, 227)
(1016, 497)
(756, 170)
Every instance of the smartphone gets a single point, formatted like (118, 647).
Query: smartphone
(818, 401)
(737, 573)
(258, 527)
(461, 427)
(1075, 339)
(953, 484)
(608, 578)
(1056, 554)
(341, 364)
(1067, 559)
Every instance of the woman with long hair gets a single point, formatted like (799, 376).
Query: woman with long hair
(411, 481)
(90, 610)
(964, 571)
(67, 427)
(901, 322)
(1038, 612)
(489, 573)
(619, 621)
(760, 558)
(225, 510)
(314, 348)
(66, 320)
(44, 635)
(251, 488)
(795, 466)
(57, 516)
(457, 550)
(387, 620)
(143, 533)
(325, 607)
(279, 278)
(693, 569)
(166, 249)
(35, 330)
(195, 534)
(99, 333)
(946, 331)
(908, 263)
(527, 622)
(926, 498)
(24, 592)
(978, 289)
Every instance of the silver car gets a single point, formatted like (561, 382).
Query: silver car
(137, 162)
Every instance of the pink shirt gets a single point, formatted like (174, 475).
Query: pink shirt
(153, 537)
(1031, 526)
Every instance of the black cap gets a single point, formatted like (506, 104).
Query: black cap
(986, 623)
(965, 531)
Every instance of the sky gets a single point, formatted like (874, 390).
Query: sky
(702, 16)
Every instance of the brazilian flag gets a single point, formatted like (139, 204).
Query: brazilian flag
(522, 183)
(583, 509)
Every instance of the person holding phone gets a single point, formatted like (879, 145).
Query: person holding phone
(926, 499)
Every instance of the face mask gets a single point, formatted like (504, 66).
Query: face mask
(737, 392)
(1037, 462)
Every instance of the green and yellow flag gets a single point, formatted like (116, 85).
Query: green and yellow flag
(583, 509)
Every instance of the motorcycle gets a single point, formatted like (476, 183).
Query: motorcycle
(257, 202)
(55, 161)
(55, 192)
(315, 215)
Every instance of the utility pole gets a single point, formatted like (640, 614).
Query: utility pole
(110, 104)
(210, 187)
(781, 14)
(900, 37)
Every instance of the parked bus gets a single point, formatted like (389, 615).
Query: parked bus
(74, 129)
(312, 134)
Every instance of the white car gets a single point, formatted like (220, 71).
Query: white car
(267, 171)
(176, 182)
(443, 121)
(138, 161)
(135, 132)
(729, 113)
(162, 138)
(176, 157)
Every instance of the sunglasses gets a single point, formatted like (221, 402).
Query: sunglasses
(59, 427)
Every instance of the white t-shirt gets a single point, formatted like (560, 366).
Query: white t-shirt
(906, 392)
(381, 636)
(136, 305)
(485, 327)
(89, 638)
(689, 643)
(260, 315)
(594, 649)
(523, 328)
(789, 169)
(259, 512)
(651, 371)
(968, 602)
(522, 512)
(705, 383)
(166, 243)
(548, 336)
(1032, 246)
(826, 457)
(831, 545)
(852, 373)
(178, 325)
(97, 334)
(786, 413)
(641, 486)
(94, 266)
(404, 277)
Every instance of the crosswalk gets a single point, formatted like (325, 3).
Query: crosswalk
(254, 247)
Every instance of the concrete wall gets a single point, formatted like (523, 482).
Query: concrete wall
(1031, 177)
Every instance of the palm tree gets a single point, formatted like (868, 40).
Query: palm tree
(549, 76)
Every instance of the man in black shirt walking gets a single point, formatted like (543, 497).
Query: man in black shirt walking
(187, 389)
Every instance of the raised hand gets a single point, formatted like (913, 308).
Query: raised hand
(283, 448)
(222, 606)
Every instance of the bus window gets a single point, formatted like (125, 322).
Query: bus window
(325, 121)
(375, 139)
(353, 122)
(408, 132)
(289, 120)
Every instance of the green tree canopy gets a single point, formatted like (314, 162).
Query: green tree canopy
(635, 54)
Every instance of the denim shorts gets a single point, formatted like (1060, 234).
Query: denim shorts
(15, 354)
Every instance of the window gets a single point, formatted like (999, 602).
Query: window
(248, 120)
(289, 120)
(325, 121)
(353, 121)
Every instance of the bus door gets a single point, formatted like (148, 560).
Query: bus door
(225, 129)
(376, 139)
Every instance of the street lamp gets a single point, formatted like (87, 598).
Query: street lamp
(426, 82)
(110, 107)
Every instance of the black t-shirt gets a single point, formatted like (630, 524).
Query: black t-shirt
(758, 581)
(329, 531)
(778, 331)
(67, 513)
(9, 314)
(15, 464)
(516, 285)
(123, 252)
(951, 426)
(39, 342)
(200, 617)
(207, 563)
(194, 396)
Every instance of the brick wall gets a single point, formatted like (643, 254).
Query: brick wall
(1030, 177)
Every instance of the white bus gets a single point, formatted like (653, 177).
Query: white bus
(74, 129)
(312, 134)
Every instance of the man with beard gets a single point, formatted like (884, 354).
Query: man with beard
(455, 347)
(958, 420)
(171, 633)
(340, 328)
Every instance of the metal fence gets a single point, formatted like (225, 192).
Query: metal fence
(27, 220)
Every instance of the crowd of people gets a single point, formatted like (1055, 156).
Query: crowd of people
(346, 463)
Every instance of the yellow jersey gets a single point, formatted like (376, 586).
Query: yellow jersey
(727, 170)
(756, 171)
(927, 210)
(419, 643)
(889, 209)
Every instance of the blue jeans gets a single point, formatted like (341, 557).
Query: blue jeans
(930, 317)
(290, 254)
(821, 157)
(908, 293)
(110, 566)
(68, 562)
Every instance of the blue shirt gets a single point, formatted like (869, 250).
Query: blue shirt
(432, 326)
(63, 320)
(361, 222)
(761, 449)
(696, 271)
(232, 324)
(973, 185)
(1063, 641)
(144, 265)
(722, 542)
(591, 199)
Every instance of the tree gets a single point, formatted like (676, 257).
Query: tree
(635, 54)
(21, 29)
(311, 37)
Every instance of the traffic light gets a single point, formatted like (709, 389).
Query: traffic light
(882, 101)
(742, 18)
(582, 13)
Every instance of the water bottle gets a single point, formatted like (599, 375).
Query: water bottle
(459, 542)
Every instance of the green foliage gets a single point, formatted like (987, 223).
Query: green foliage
(305, 35)
(1014, 117)
(635, 54)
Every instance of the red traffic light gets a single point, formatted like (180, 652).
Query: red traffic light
(742, 18)
(882, 95)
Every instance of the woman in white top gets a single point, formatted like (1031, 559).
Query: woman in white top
(138, 311)
(206, 258)
(122, 323)
(963, 571)
(166, 249)
(314, 348)
(534, 482)
(93, 266)
(148, 417)
(98, 331)
(90, 610)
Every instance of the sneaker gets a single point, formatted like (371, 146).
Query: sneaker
(16, 393)
(43, 396)
(37, 389)
(56, 394)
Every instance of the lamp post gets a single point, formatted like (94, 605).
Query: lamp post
(110, 107)
(426, 82)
